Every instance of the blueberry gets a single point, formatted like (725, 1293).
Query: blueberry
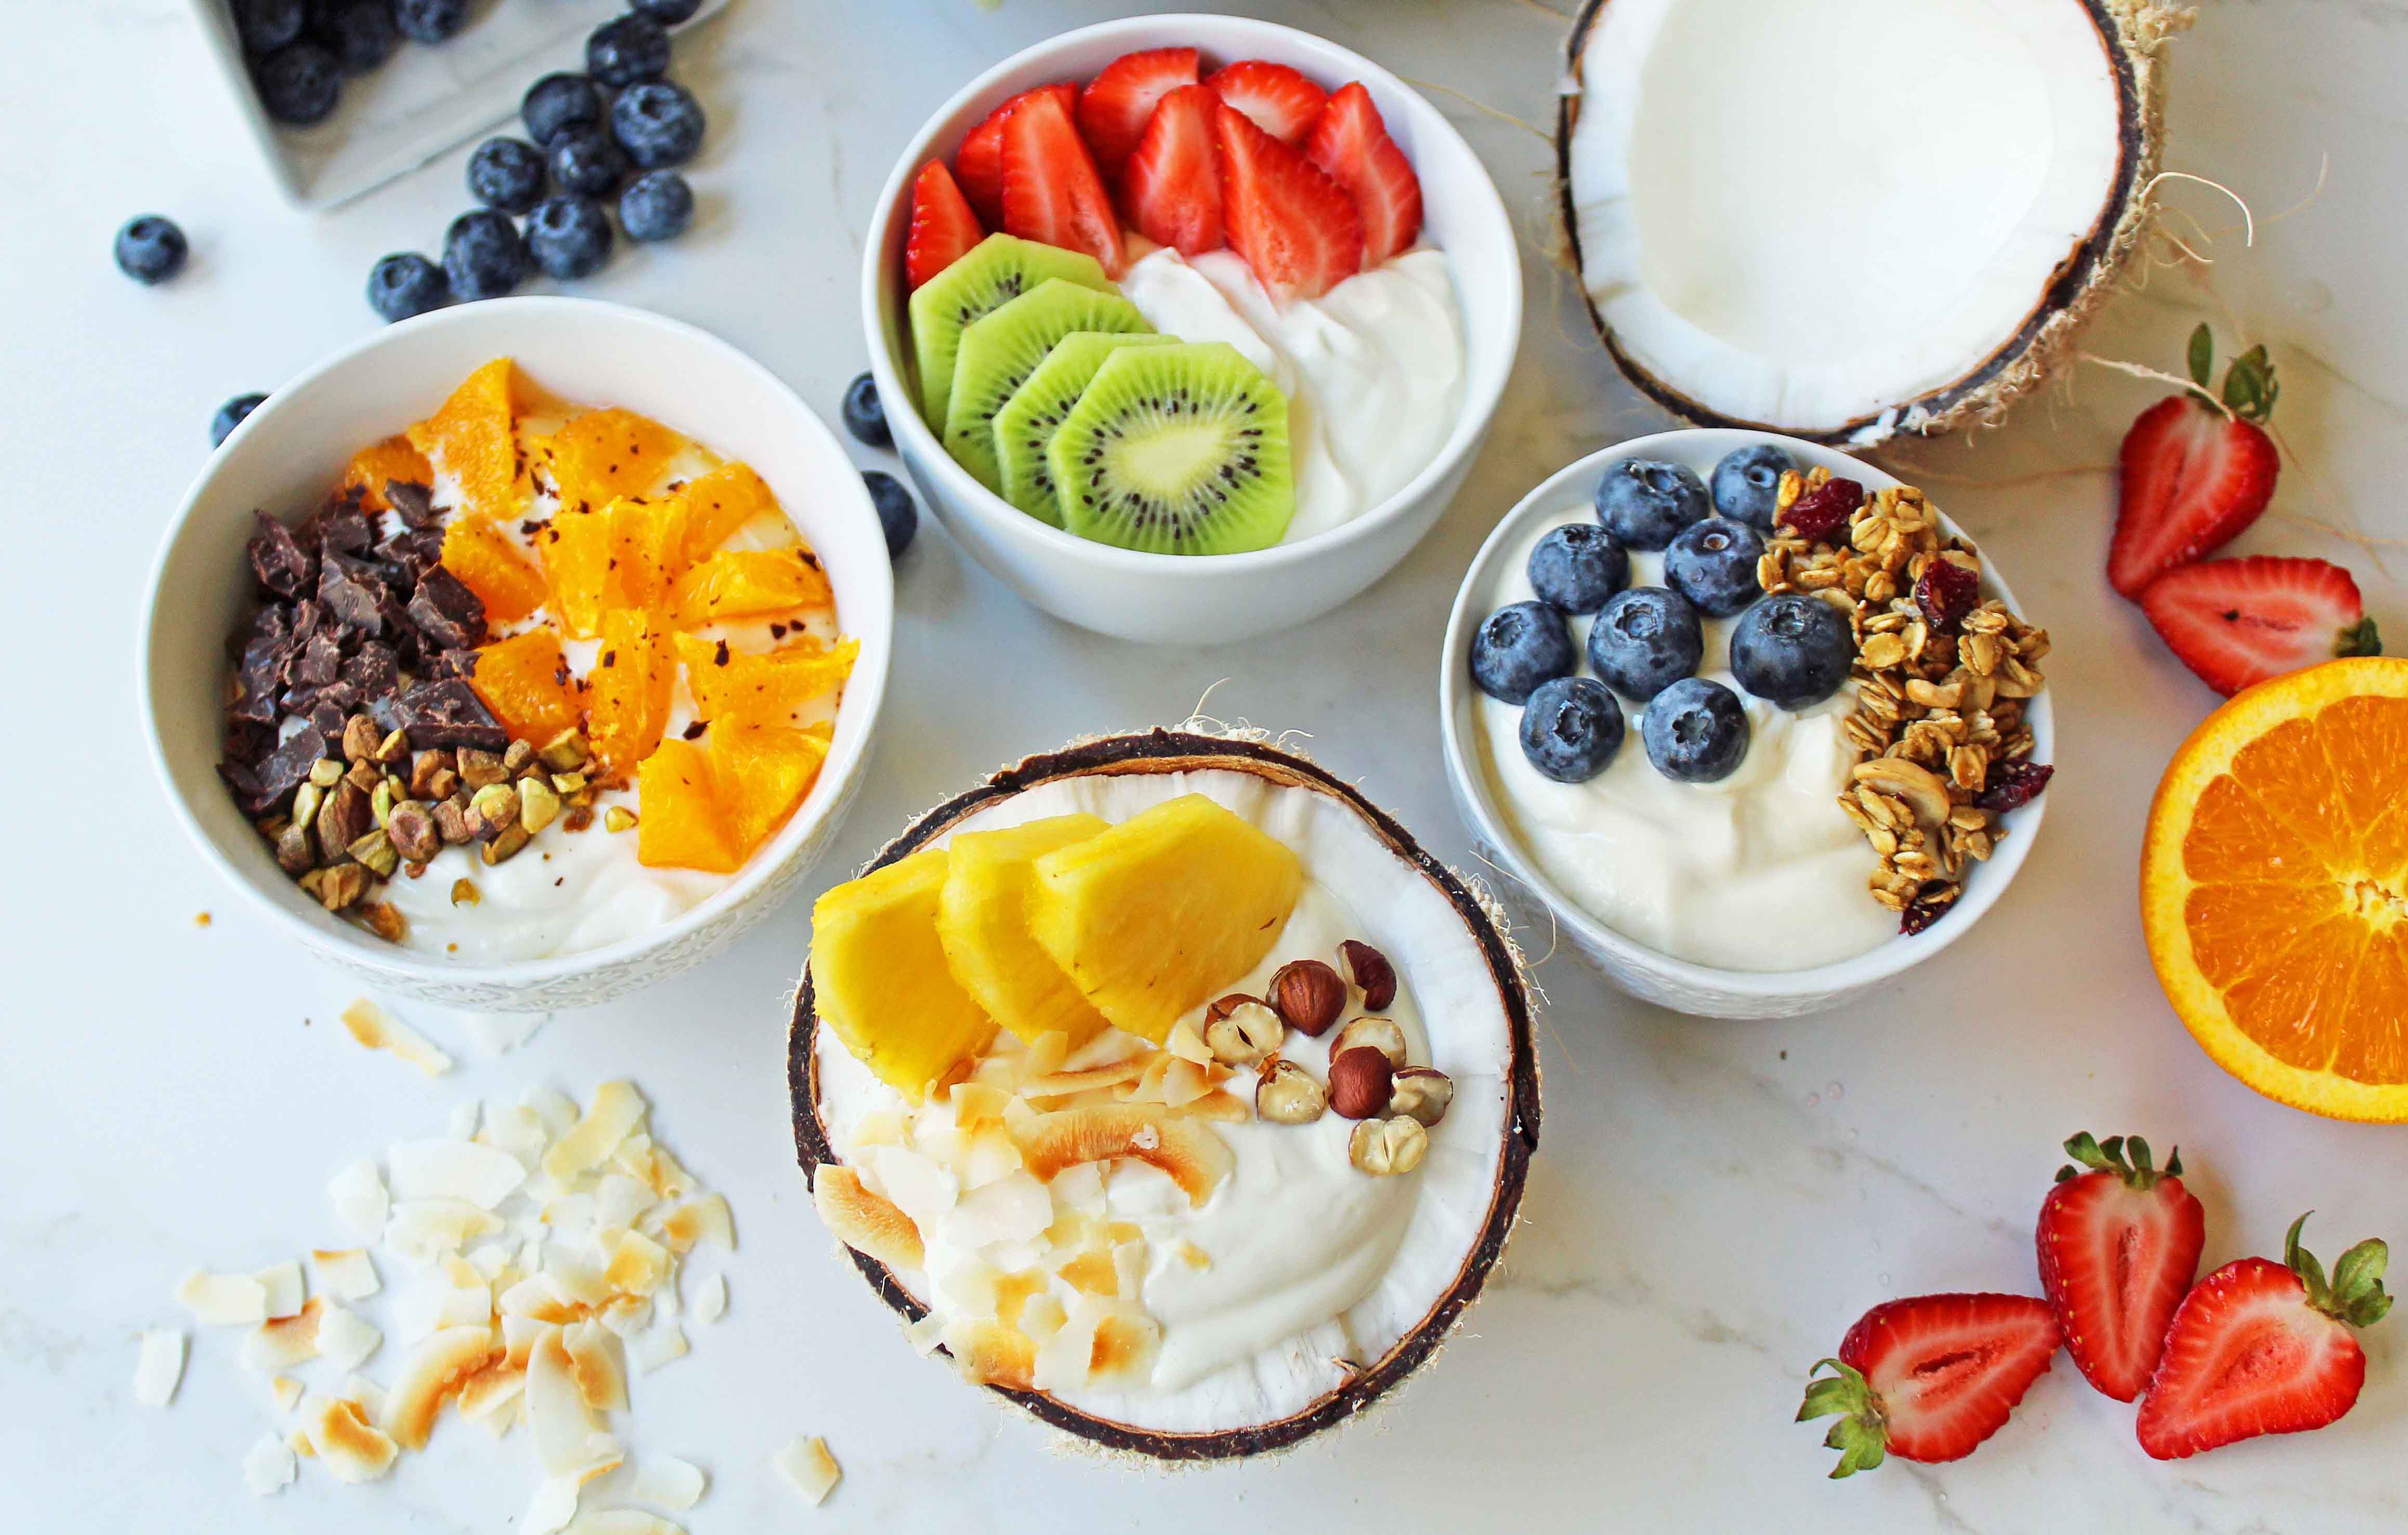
(1644, 501)
(508, 174)
(568, 237)
(669, 13)
(1572, 728)
(482, 255)
(658, 123)
(656, 205)
(1518, 647)
(1794, 650)
(231, 415)
(1695, 731)
(1646, 640)
(430, 20)
(896, 513)
(267, 26)
(1748, 481)
(299, 83)
(151, 249)
(632, 48)
(586, 163)
(557, 102)
(1577, 567)
(1712, 563)
(865, 414)
(407, 283)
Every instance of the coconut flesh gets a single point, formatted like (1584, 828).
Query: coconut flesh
(1368, 1318)
(1841, 219)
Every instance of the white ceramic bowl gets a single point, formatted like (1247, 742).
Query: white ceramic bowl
(1204, 599)
(295, 446)
(1644, 972)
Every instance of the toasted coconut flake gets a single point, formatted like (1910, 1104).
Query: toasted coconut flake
(480, 1175)
(661, 1171)
(1188, 1045)
(700, 1220)
(638, 1264)
(1193, 1256)
(498, 1386)
(1220, 1105)
(991, 1353)
(159, 1367)
(925, 1335)
(1188, 1153)
(671, 1482)
(365, 1395)
(1126, 1343)
(377, 1029)
(616, 1111)
(622, 1200)
(1148, 1088)
(992, 1154)
(424, 1231)
(557, 1108)
(1183, 1082)
(657, 1345)
(344, 1273)
(281, 1343)
(1092, 1272)
(224, 1300)
(538, 1296)
(865, 1222)
(711, 1300)
(517, 1129)
(284, 1391)
(270, 1467)
(977, 1104)
(285, 1291)
(1061, 1363)
(809, 1469)
(919, 1187)
(1064, 1083)
(556, 1410)
(1128, 1263)
(298, 1442)
(1041, 1318)
(622, 1521)
(435, 1372)
(579, 1274)
(628, 1315)
(361, 1202)
(466, 1115)
(1016, 1208)
(883, 1129)
(340, 1435)
(499, 1033)
(552, 1506)
(598, 1364)
(1045, 1054)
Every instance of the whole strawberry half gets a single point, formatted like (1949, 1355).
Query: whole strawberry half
(1929, 1378)
(1170, 184)
(2260, 1347)
(1294, 225)
(2194, 471)
(2236, 622)
(2119, 1244)
(1052, 191)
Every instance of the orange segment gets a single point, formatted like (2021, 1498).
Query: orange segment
(762, 688)
(2274, 888)
(525, 681)
(648, 548)
(489, 564)
(471, 438)
(577, 548)
(750, 584)
(393, 458)
(628, 690)
(723, 500)
(762, 772)
(678, 823)
(602, 455)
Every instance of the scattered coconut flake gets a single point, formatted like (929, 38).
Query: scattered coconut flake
(517, 1129)
(557, 1108)
(281, 1343)
(552, 1506)
(345, 1273)
(361, 1202)
(808, 1469)
(480, 1174)
(598, 1362)
(340, 1435)
(627, 1314)
(556, 1410)
(617, 1109)
(298, 1442)
(622, 1200)
(365, 1394)
(656, 1346)
(622, 1521)
(711, 1300)
(638, 1264)
(498, 1033)
(285, 1391)
(270, 1467)
(497, 1389)
(284, 1289)
(665, 1480)
(435, 1372)
(705, 1219)
(464, 1117)
(224, 1300)
(159, 1368)
(377, 1029)
(345, 1339)
(424, 1231)
(578, 1273)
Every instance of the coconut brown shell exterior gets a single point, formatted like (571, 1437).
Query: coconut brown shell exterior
(2132, 32)
(1172, 752)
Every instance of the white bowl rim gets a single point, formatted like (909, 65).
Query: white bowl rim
(1471, 421)
(1894, 954)
(866, 684)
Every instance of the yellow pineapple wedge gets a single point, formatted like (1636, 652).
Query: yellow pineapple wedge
(982, 920)
(1163, 911)
(879, 978)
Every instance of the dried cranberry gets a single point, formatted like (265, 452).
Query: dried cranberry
(1946, 592)
(1816, 513)
(2009, 784)
(1920, 914)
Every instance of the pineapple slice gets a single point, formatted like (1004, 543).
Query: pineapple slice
(982, 920)
(879, 978)
(1163, 911)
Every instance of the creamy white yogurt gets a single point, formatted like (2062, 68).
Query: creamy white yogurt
(1372, 370)
(1758, 871)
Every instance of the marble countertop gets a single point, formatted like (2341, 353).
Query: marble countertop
(1711, 1203)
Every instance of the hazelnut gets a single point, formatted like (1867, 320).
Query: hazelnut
(1360, 1082)
(1286, 1094)
(1421, 1093)
(1309, 995)
(1384, 1147)
(1380, 1034)
(1367, 970)
(1240, 1030)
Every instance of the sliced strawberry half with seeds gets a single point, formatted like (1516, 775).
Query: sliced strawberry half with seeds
(1282, 102)
(1052, 191)
(944, 228)
(1352, 144)
(2236, 622)
(1930, 1378)
(1116, 106)
(2120, 1245)
(2194, 472)
(1171, 186)
(1294, 225)
(979, 162)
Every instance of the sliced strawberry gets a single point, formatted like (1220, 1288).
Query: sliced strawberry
(1116, 105)
(2236, 622)
(1171, 186)
(1051, 193)
(1296, 228)
(2119, 1244)
(2260, 1347)
(944, 228)
(1352, 144)
(1930, 1378)
(1282, 102)
(979, 162)
(2194, 474)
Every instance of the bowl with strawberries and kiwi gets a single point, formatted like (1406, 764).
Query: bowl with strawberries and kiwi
(1188, 327)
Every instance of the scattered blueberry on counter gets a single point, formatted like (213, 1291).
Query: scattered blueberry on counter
(430, 20)
(569, 237)
(1747, 483)
(586, 161)
(1712, 563)
(231, 415)
(1518, 647)
(630, 49)
(1577, 568)
(1646, 640)
(1695, 731)
(407, 283)
(150, 248)
(865, 414)
(656, 205)
(1645, 502)
(507, 174)
(897, 512)
(560, 101)
(658, 123)
(1793, 649)
(299, 83)
(1572, 728)
(483, 256)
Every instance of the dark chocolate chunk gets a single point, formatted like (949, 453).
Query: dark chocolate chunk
(373, 670)
(448, 713)
(248, 741)
(444, 663)
(269, 784)
(321, 661)
(343, 527)
(329, 714)
(412, 554)
(447, 612)
(265, 656)
(353, 591)
(277, 559)
(413, 502)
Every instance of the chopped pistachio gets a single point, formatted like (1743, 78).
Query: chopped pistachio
(517, 757)
(375, 850)
(618, 818)
(305, 803)
(380, 803)
(325, 772)
(504, 846)
(569, 783)
(497, 806)
(565, 752)
(537, 803)
(464, 893)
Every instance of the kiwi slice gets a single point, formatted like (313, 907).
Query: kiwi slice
(998, 270)
(1027, 421)
(999, 352)
(1177, 450)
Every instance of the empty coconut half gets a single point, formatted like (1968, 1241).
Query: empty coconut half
(1846, 219)
(1150, 1234)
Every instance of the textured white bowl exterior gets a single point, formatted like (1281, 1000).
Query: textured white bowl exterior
(295, 446)
(1644, 972)
(1193, 600)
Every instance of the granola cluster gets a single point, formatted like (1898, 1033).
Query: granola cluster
(1941, 675)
